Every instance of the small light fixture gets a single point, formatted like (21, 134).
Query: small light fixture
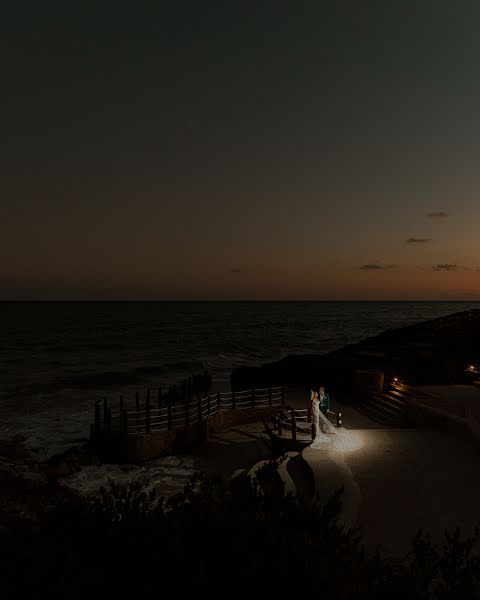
(471, 367)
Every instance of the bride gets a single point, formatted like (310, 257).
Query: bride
(320, 422)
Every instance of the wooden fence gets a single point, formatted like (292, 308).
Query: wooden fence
(129, 417)
(299, 421)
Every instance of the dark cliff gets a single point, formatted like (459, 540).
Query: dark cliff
(431, 352)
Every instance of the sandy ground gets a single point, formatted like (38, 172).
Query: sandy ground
(412, 479)
(462, 400)
(235, 448)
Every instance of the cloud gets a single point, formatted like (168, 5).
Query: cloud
(413, 240)
(235, 270)
(445, 267)
(375, 267)
(438, 215)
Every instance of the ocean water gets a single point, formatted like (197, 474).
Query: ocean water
(57, 358)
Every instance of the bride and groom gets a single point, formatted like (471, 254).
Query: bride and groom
(320, 405)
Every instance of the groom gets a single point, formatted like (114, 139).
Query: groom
(324, 400)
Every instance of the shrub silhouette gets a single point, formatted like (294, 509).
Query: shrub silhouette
(249, 537)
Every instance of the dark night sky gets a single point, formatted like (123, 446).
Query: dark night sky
(162, 150)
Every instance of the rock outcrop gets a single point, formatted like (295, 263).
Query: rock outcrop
(28, 487)
(432, 352)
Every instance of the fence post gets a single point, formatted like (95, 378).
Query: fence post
(125, 421)
(279, 424)
(169, 415)
(208, 406)
(199, 409)
(283, 394)
(233, 400)
(294, 425)
(218, 402)
(309, 414)
(183, 388)
(147, 411)
(187, 413)
(269, 395)
(97, 416)
(253, 397)
(137, 402)
(109, 419)
(105, 412)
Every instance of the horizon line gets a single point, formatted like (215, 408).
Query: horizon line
(258, 300)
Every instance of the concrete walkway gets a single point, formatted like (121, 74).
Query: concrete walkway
(412, 479)
(396, 481)
(237, 447)
(330, 472)
(408, 479)
(462, 402)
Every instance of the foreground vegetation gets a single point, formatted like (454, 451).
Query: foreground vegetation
(214, 540)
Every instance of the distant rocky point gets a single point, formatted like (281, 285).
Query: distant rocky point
(431, 352)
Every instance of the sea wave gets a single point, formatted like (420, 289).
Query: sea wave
(57, 358)
(227, 361)
(185, 365)
(104, 379)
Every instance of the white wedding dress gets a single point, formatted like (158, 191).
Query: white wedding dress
(341, 439)
(325, 424)
(322, 426)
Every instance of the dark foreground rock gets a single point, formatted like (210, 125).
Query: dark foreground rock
(432, 352)
(29, 487)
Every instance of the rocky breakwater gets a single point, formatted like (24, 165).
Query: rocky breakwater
(29, 487)
(431, 352)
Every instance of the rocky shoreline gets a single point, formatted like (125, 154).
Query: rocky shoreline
(31, 488)
(427, 353)
(431, 352)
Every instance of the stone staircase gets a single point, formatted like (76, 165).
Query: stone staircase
(388, 408)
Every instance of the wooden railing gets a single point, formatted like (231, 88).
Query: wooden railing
(128, 416)
(300, 421)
